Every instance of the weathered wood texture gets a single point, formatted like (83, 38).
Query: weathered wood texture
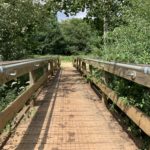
(137, 75)
(142, 120)
(14, 107)
(69, 116)
(14, 62)
(12, 71)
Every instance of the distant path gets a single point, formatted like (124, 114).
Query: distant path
(70, 116)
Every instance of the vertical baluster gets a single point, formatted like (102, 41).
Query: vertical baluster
(32, 77)
(84, 68)
(51, 68)
(90, 69)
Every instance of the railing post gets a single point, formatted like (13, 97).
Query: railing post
(55, 64)
(79, 65)
(90, 69)
(45, 69)
(58, 62)
(51, 68)
(74, 62)
(32, 77)
(84, 68)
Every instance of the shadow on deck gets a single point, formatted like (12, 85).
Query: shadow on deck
(69, 116)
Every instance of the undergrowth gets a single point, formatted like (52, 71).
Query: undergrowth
(10, 90)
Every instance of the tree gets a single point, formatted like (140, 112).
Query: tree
(104, 14)
(50, 39)
(130, 42)
(25, 28)
(79, 36)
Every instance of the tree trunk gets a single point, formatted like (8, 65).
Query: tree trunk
(105, 24)
(105, 30)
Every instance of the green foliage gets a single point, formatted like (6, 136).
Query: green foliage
(131, 93)
(27, 28)
(17, 25)
(66, 58)
(38, 73)
(130, 42)
(96, 10)
(127, 43)
(50, 40)
(79, 36)
(9, 91)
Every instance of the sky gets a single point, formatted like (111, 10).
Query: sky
(61, 16)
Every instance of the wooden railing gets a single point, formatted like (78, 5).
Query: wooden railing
(137, 73)
(12, 70)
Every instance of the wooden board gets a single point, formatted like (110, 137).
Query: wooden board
(18, 69)
(8, 114)
(137, 116)
(140, 77)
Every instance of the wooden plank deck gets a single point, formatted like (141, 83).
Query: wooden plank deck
(69, 116)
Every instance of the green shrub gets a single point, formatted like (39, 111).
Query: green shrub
(10, 90)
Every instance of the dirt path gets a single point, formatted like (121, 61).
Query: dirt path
(69, 116)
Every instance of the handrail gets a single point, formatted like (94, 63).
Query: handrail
(145, 69)
(136, 73)
(4, 68)
(2, 63)
(12, 71)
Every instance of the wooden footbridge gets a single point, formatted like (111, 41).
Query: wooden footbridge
(60, 111)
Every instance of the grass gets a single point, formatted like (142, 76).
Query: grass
(66, 58)
(62, 57)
